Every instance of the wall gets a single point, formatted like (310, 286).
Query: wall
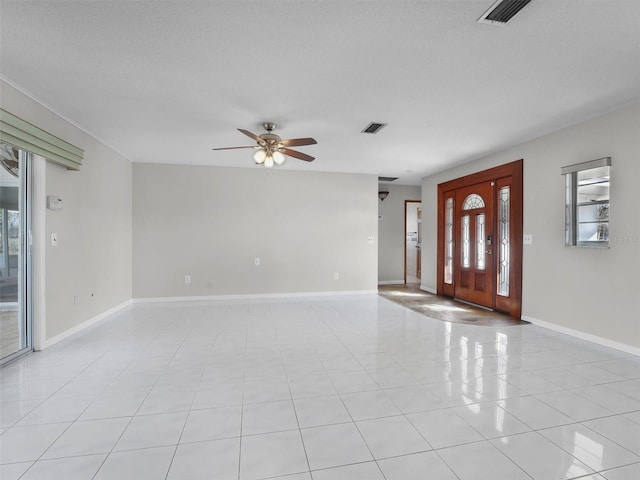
(391, 232)
(212, 222)
(93, 258)
(593, 291)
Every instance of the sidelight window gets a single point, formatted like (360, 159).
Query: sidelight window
(504, 199)
(448, 242)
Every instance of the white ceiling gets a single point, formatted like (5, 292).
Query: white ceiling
(165, 81)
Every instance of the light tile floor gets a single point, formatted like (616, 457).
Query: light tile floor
(324, 388)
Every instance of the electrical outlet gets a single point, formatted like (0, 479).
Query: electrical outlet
(336, 275)
(187, 279)
(256, 261)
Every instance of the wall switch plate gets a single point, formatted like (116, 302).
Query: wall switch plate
(54, 239)
(527, 239)
(369, 239)
(336, 275)
(187, 279)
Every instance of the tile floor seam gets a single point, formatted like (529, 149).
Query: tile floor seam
(244, 376)
(184, 425)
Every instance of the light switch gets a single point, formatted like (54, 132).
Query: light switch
(369, 239)
(527, 239)
(54, 239)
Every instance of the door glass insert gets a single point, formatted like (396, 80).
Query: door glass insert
(504, 241)
(14, 332)
(448, 242)
(472, 202)
(466, 242)
(480, 242)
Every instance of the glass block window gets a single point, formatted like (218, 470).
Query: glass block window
(466, 242)
(504, 199)
(587, 203)
(480, 253)
(448, 242)
(472, 202)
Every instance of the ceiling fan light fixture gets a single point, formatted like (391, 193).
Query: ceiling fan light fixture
(260, 156)
(278, 157)
(268, 161)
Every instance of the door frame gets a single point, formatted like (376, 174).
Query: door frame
(404, 236)
(514, 170)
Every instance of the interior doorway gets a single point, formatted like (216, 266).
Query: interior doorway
(412, 243)
(480, 238)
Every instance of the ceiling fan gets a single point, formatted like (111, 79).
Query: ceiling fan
(9, 159)
(271, 149)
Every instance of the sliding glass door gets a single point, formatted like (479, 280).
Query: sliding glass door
(15, 253)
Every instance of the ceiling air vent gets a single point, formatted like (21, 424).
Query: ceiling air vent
(502, 11)
(374, 127)
(387, 179)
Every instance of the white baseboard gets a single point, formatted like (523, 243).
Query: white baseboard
(606, 342)
(391, 282)
(87, 323)
(428, 289)
(254, 296)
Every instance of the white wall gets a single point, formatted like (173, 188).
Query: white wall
(593, 291)
(93, 258)
(211, 222)
(391, 231)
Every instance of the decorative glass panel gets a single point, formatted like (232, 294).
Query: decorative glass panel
(480, 258)
(448, 242)
(466, 242)
(473, 201)
(504, 241)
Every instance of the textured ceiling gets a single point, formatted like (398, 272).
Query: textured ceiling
(165, 81)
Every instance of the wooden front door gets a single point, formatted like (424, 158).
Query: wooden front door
(480, 238)
(473, 238)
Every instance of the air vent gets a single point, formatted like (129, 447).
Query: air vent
(374, 127)
(387, 179)
(502, 11)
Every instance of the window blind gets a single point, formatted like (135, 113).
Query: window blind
(27, 136)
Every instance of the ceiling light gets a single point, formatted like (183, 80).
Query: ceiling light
(278, 157)
(259, 156)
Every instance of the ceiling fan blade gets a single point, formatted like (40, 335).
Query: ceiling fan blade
(231, 148)
(252, 135)
(298, 142)
(298, 155)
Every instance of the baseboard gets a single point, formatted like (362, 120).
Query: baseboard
(87, 323)
(253, 296)
(428, 289)
(391, 282)
(606, 342)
